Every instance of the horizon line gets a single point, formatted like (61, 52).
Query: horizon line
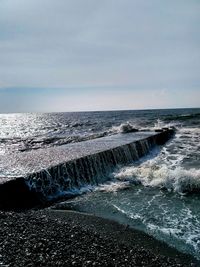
(110, 110)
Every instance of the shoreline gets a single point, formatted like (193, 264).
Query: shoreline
(69, 238)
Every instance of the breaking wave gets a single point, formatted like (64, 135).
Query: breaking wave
(175, 168)
(178, 180)
(123, 128)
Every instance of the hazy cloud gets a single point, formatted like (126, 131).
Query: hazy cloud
(131, 44)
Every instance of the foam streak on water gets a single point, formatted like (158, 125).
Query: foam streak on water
(175, 216)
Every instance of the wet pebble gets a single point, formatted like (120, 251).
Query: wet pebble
(35, 239)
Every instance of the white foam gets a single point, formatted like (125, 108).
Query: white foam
(112, 186)
(178, 225)
(123, 128)
(179, 180)
(159, 124)
(133, 216)
(189, 130)
(168, 169)
(184, 230)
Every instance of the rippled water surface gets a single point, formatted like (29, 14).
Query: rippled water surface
(32, 131)
(159, 194)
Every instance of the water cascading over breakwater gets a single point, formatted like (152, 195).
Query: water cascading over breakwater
(68, 177)
(89, 170)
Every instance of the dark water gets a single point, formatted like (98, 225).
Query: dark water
(34, 130)
(159, 204)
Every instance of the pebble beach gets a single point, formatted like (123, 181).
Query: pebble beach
(66, 238)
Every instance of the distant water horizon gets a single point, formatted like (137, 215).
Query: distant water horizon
(98, 110)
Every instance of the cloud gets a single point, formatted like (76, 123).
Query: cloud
(128, 43)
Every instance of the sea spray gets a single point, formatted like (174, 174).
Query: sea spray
(178, 180)
(123, 128)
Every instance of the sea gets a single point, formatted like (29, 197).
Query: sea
(158, 194)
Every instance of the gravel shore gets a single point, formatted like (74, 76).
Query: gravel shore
(59, 238)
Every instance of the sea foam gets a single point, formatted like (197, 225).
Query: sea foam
(126, 127)
(178, 180)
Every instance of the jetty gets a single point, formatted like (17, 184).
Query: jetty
(35, 177)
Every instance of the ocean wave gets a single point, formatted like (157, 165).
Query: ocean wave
(179, 180)
(182, 117)
(159, 124)
(126, 127)
(189, 130)
(58, 139)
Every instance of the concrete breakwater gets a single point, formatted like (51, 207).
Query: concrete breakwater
(35, 177)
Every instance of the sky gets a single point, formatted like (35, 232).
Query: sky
(75, 55)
